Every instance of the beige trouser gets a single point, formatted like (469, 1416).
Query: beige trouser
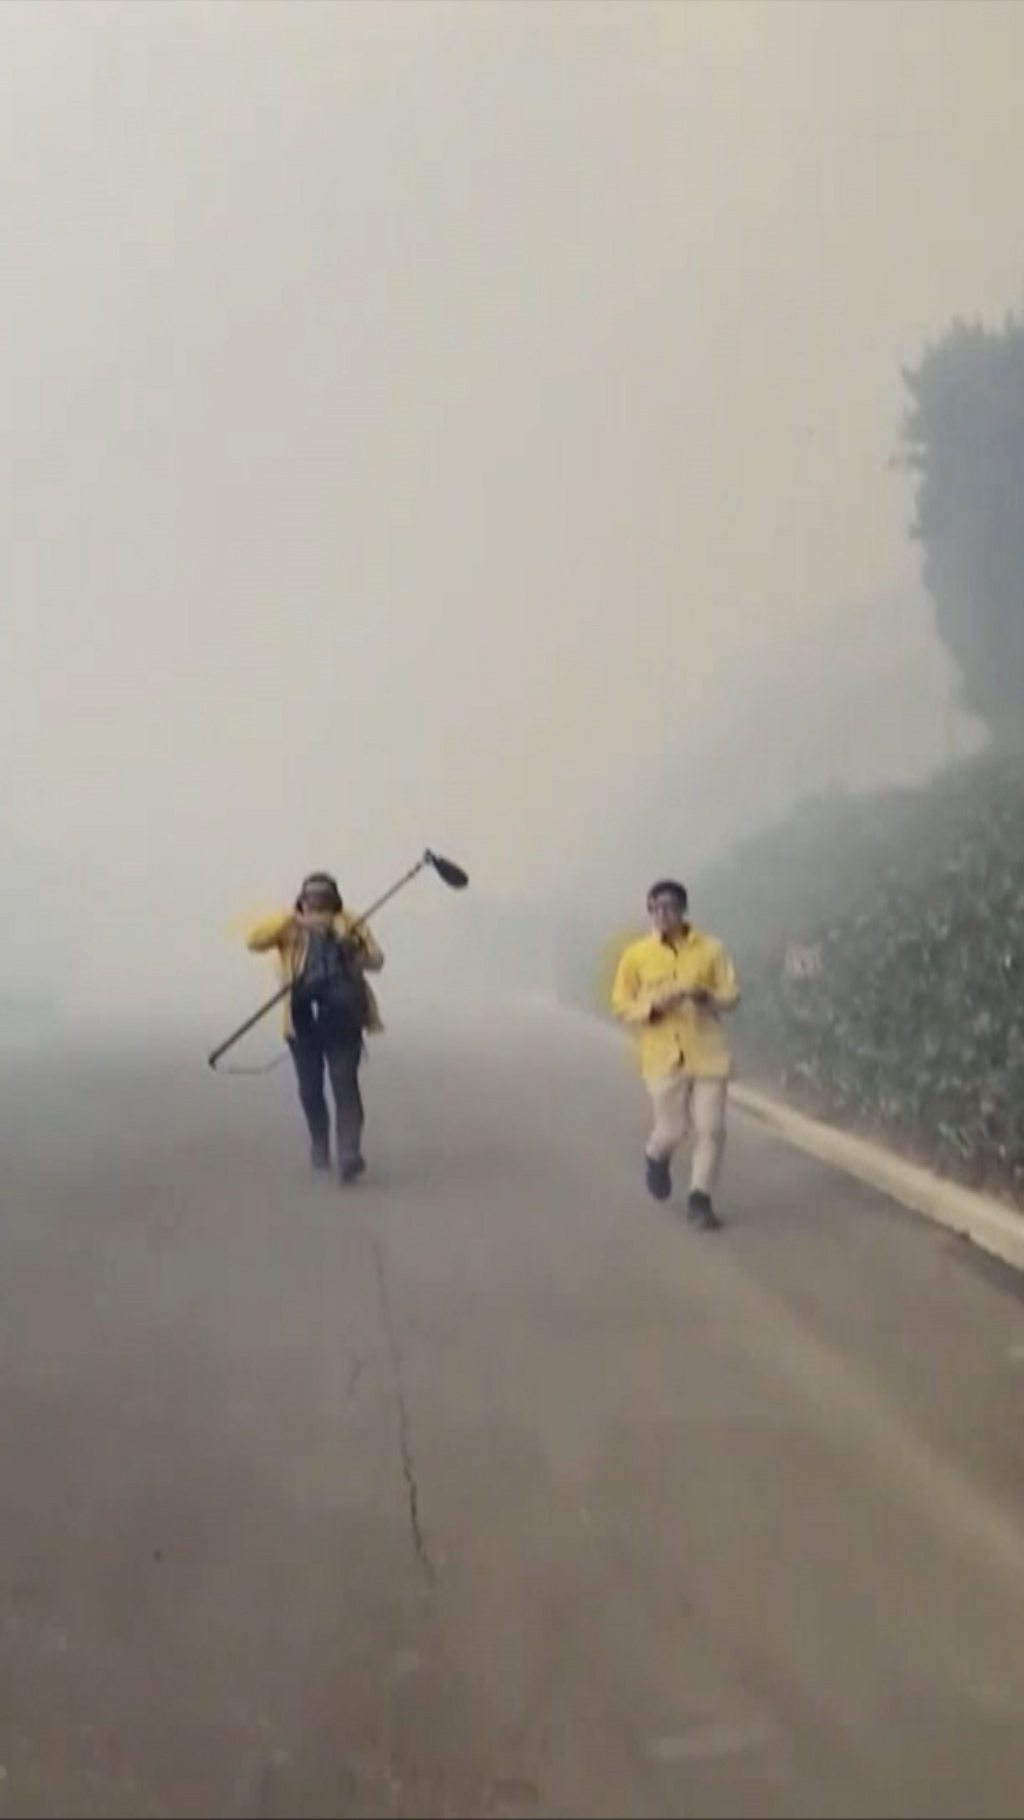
(682, 1102)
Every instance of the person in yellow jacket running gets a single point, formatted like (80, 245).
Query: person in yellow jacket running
(324, 955)
(671, 988)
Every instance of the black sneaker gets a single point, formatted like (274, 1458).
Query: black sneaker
(320, 1155)
(659, 1178)
(700, 1212)
(350, 1169)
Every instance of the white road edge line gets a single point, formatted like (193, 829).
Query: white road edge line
(988, 1223)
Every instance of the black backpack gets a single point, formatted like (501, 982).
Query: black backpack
(330, 994)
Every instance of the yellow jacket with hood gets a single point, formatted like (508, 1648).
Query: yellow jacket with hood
(281, 932)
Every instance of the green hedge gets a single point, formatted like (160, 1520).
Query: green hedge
(914, 1027)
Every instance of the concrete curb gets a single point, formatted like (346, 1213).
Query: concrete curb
(986, 1222)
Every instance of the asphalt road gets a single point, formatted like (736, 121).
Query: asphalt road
(489, 1488)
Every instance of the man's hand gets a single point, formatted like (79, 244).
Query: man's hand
(667, 1002)
(676, 997)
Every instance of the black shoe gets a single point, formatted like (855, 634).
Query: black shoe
(700, 1212)
(350, 1169)
(320, 1155)
(659, 1178)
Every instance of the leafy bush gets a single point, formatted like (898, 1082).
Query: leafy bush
(913, 1028)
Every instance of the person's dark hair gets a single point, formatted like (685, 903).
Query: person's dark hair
(327, 881)
(668, 887)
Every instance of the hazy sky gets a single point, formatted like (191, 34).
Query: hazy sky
(419, 419)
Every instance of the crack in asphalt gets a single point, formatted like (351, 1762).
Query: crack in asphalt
(404, 1432)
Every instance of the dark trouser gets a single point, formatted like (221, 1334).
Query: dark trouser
(312, 1055)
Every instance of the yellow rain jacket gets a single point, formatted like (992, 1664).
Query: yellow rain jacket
(689, 1040)
(280, 932)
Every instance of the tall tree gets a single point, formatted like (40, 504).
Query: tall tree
(964, 441)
